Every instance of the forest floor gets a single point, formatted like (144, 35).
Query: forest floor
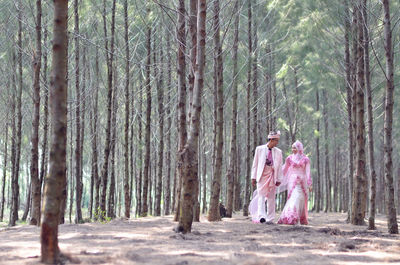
(328, 239)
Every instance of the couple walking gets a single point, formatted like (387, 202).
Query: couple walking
(271, 177)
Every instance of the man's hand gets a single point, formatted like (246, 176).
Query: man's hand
(253, 182)
(277, 183)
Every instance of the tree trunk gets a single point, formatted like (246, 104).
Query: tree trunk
(232, 158)
(213, 214)
(181, 72)
(188, 156)
(146, 172)
(349, 105)
(3, 188)
(328, 181)
(167, 199)
(55, 180)
(372, 173)
(34, 165)
(389, 188)
(360, 178)
(160, 99)
(140, 155)
(78, 178)
(27, 202)
(248, 152)
(112, 192)
(318, 196)
(127, 197)
(18, 135)
(109, 59)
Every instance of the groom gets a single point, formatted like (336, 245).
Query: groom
(267, 174)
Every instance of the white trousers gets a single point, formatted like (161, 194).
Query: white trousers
(270, 214)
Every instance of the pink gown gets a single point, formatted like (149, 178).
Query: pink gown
(297, 180)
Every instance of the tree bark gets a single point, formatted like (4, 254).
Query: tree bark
(318, 198)
(127, 109)
(34, 165)
(248, 152)
(109, 59)
(213, 214)
(388, 147)
(3, 187)
(147, 172)
(188, 156)
(360, 178)
(328, 181)
(231, 176)
(56, 179)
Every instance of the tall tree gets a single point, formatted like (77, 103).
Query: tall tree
(388, 146)
(109, 59)
(213, 214)
(78, 177)
(56, 179)
(360, 178)
(231, 176)
(188, 156)
(34, 169)
(18, 135)
(127, 109)
(3, 187)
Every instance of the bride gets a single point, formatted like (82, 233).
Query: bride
(297, 178)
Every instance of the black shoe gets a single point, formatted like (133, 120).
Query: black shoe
(262, 220)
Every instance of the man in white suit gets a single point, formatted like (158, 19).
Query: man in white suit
(266, 173)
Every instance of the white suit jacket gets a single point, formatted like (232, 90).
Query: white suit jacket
(259, 162)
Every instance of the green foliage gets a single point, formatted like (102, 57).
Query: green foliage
(101, 216)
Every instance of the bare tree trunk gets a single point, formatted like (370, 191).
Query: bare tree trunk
(182, 131)
(248, 153)
(328, 180)
(348, 85)
(360, 178)
(56, 179)
(389, 188)
(167, 192)
(372, 187)
(160, 160)
(127, 197)
(110, 59)
(188, 156)
(69, 169)
(83, 118)
(231, 176)
(140, 155)
(3, 188)
(318, 196)
(213, 214)
(112, 192)
(27, 202)
(146, 172)
(34, 165)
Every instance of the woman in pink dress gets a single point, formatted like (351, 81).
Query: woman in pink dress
(297, 181)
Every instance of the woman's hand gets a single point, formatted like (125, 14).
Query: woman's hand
(310, 189)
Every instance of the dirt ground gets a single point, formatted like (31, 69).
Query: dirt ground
(327, 240)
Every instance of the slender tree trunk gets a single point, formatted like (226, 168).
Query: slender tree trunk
(160, 99)
(83, 118)
(109, 59)
(360, 178)
(372, 173)
(140, 155)
(181, 71)
(14, 134)
(70, 171)
(348, 85)
(15, 185)
(127, 197)
(27, 202)
(232, 159)
(34, 165)
(55, 180)
(188, 156)
(112, 191)
(167, 199)
(213, 214)
(147, 172)
(248, 152)
(3, 188)
(328, 180)
(318, 196)
(389, 188)
(44, 159)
